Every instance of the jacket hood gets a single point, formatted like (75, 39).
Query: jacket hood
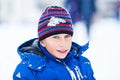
(32, 55)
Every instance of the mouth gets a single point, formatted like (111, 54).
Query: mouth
(62, 51)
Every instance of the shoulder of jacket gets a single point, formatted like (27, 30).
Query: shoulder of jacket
(22, 72)
(84, 60)
(33, 62)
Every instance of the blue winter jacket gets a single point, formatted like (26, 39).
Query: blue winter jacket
(38, 64)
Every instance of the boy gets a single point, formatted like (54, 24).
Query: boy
(53, 55)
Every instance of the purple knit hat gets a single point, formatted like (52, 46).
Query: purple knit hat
(54, 20)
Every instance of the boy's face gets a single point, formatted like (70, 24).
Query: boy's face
(58, 45)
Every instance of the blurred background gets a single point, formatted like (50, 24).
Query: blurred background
(96, 21)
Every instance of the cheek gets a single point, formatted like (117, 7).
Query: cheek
(68, 43)
(50, 47)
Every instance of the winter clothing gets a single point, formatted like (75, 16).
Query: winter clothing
(54, 20)
(38, 64)
(83, 10)
(74, 11)
(88, 10)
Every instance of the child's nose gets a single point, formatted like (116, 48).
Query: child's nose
(62, 42)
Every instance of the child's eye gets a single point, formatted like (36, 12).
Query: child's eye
(67, 36)
(56, 37)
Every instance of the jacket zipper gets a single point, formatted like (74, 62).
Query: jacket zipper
(72, 74)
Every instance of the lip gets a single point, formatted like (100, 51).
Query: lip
(62, 51)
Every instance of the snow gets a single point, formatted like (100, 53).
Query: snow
(105, 47)
(104, 51)
(11, 37)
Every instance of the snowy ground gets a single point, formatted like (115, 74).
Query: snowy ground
(104, 51)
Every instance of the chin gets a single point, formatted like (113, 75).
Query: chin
(62, 57)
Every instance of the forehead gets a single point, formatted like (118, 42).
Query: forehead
(62, 34)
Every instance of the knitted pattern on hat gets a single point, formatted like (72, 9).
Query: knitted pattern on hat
(54, 20)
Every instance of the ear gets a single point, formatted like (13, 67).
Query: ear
(42, 43)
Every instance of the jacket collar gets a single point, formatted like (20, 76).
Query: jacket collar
(76, 51)
(32, 55)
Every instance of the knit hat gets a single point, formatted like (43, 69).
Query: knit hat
(54, 20)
